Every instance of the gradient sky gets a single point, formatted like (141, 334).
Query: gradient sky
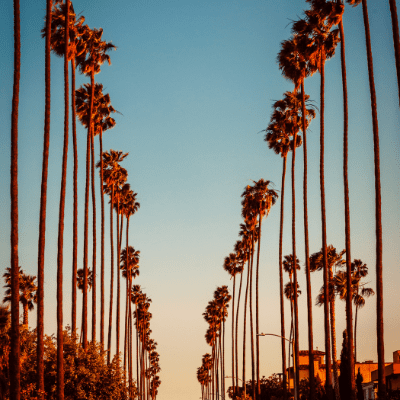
(194, 82)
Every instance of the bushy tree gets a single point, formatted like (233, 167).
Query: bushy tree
(86, 373)
(304, 389)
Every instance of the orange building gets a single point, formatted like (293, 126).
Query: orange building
(366, 368)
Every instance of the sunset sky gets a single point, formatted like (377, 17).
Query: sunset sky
(194, 82)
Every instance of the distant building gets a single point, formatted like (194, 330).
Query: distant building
(392, 375)
(366, 368)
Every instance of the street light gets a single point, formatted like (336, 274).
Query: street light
(294, 366)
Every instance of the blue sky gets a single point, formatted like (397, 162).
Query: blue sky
(195, 82)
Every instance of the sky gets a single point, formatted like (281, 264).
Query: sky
(194, 83)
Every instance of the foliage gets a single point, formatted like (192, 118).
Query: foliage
(344, 378)
(86, 373)
(271, 387)
(304, 389)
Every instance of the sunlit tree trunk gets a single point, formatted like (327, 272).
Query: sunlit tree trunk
(102, 243)
(42, 217)
(282, 306)
(378, 214)
(15, 341)
(112, 278)
(307, 250)
(60, 338)
(94, 269)
(349, 309)
(328, 381)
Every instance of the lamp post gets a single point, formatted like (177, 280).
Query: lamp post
(294, 366)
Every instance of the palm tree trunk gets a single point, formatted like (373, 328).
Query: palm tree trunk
(15, 374)
(296, 309)
(253, 387)
(233, 335)
(86, 228)
(42, 218)
(236, 332)
(112, 278)
(257, 309)
(283, 344)
(118, 276)
(223, 360)
(244, 327)
(75, 211)
(334, 353)
(94, 243)
(102, 244)
(378, 214)
(355, 336)
(60, 338)
(396, 42)
(349, 309)
(311, 372)
(328, 381)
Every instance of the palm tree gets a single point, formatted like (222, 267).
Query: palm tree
(222, 297)
(241, 256)
(230, 265)
(129, 260)
(359, 291)
(294, 64)
(101, 122)
(106, 122)
(96, 56)
(260, 199)
(80, 277)
(113, 177)
(378, 206)
(15, 374)
(334, 259)
(278, 140)
(317, 29)
(60, 345)
(248, 233)
(76, 49)
(27, 289)
(42, 217)
(349, 310)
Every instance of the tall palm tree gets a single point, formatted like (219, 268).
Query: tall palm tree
(113, 177)
(222, 297)
(230, 265)
(334, 259)
(359, 291)
(294, 64)
(76, 49)
(101, 121)
(96, 56)
(106, 122)
(42, 216)
(261, 199)
(241, 256)
(378, 206)
(317, 29)
(15, 373)
(279, 141)
(349, 310)
(60, 250)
